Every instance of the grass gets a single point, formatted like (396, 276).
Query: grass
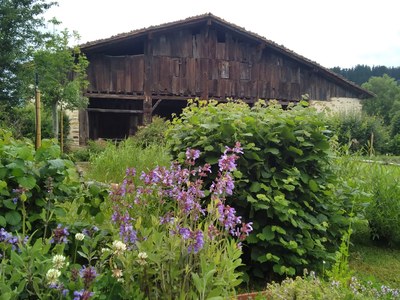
(371, 261)
(110, 165)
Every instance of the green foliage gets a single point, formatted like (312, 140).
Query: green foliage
(21, 29)
(62, 74)
(31, 182)
(310, 287)
(379, 200)
(110, 165)
(383, 212)
(284, 183)
(21, 122)
(387, 92)
(93, 148)
(356, 131)
(153, 133)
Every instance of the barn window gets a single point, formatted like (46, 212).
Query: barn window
(225, 69)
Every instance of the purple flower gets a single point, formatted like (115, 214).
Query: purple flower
(223, 184)
(191, 156)
(88, 274)
(130, 172)
(227, 218)
(82, 295)
(185, 233)
(227, 163)
(197, 241)
(127, 233)
(60, 235)
(90, 232)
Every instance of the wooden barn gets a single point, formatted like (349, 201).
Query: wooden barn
(153, 71)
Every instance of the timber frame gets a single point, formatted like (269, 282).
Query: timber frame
(155, 70)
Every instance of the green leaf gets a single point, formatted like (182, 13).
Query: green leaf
(13, 217)
(313, 185)
(268, 233)
(3, 221)
(27, 182)
(255, 187)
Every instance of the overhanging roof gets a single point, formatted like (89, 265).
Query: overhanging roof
(212, 19)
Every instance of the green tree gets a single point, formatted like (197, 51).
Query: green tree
(62, 74)
(387, 98)
(21, 29)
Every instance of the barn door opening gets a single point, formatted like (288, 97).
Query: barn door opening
(113, 119)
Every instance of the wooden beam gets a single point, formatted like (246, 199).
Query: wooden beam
(113, 96)
(123, 111)
(157, 103)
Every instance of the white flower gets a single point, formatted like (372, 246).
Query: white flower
(79, 236)
(52, 276)
(58, 261)
(142, 255)
(142, 258)
(104, 250)
(118, 247)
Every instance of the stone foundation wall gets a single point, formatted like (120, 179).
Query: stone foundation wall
(345, 105)
(73, 135)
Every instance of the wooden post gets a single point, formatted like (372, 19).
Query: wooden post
(148, 77)
(61, 129)
(38, 127)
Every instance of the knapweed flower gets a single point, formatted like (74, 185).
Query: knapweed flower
(118, 247)
(82, 295)
(59, 261)
(52, 276)
(142, 256)
(88, 274)
(79, 236)
(60, 235)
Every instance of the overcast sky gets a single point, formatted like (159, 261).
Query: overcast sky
(331, 32)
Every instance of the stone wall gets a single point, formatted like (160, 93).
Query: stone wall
(345, 105)
(73, 135)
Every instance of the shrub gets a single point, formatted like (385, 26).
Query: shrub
(31, 182)
(284, 182)
(153, 133)
(356, 130)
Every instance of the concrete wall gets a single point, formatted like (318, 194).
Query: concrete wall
(346, 105)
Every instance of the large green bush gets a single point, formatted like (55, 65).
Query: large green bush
(284, 183)
(360, 132)
(31, 182)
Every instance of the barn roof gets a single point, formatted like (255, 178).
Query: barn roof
(212, 19)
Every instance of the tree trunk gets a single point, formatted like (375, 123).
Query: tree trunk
(55, 119)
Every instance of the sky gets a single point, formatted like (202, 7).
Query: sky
(332, 33)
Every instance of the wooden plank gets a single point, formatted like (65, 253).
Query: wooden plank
(113, 96)
(109, 110)
(220, 51)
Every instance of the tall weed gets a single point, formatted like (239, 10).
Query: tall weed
(110, 165)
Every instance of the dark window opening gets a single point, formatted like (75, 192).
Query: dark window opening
(221, 37)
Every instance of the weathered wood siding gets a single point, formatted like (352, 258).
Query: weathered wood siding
(208, 62)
